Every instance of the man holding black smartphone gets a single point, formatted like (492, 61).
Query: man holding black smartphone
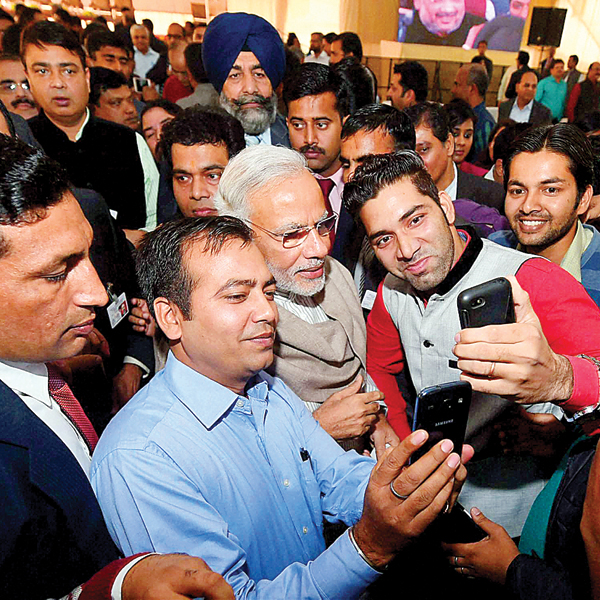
(415, 323)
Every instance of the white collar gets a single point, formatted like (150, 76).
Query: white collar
(29, 379)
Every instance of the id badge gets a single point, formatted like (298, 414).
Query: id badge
(118, 308)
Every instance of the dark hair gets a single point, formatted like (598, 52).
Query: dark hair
(358, 81)
(166, 105)
(48, 33)
(504, 140)
(575, 58)
(595, 144)
(520, 74)
(101, 80)
(351, 43)
(160, 261)
(589, 122)
(413, 76)
(313, 79)
(62, 14)
(193, 61)
(556, 61)
(330, 37)
(379, 171)
(4, 16)
(11, 41)
(431, 115)
(292, 37)
(103, 37)
(523, 57)
(387, 118)
(198, 125)
(563, 139)
(148, 24)
(27, 16)
(458, 112)
(30, 182)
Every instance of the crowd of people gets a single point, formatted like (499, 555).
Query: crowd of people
(228, 270)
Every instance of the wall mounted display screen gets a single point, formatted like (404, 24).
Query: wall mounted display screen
(463, 23)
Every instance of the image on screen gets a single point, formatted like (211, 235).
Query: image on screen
(463, 23)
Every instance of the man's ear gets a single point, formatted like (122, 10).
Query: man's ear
(410, 95)
(87, 79)
(448, 207)
(168, 318)
(449, 145)
(584, 203)
(499, 167)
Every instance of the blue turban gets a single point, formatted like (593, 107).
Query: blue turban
(230, 33)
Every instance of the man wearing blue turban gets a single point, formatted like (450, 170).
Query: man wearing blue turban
(244, 59)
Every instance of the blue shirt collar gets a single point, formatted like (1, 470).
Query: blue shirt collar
(205, 398)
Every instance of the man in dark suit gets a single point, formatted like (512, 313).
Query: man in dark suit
(245, 61)
(524, 108)
(435, 145)
(53, 534)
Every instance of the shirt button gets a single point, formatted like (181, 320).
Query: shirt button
(240, 403)
(305, 530)
(427, 344)
(286, 482)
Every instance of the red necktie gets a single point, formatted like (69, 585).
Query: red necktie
(61, 392)
(326, 186)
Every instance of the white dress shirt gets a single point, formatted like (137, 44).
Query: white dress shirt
(521, 115)
(30, 383)
(452, 189)
(144, 62)
(322, 59)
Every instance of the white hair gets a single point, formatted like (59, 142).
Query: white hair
(137, 26)
(253, 170)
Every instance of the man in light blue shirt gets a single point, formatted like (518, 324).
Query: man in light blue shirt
(216, 455)
(552, 91)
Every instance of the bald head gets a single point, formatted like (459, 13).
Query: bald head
(177, 61)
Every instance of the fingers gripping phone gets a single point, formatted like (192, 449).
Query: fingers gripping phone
(490, 303)
(442, 411)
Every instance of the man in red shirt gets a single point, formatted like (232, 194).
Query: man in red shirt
(415, 323)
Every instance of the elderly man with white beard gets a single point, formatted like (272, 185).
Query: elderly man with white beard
(244, 59)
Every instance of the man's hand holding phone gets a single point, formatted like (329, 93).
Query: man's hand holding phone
(514, 360)
(392, 519)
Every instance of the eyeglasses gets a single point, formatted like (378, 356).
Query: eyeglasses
(295, 237)
(11, 86)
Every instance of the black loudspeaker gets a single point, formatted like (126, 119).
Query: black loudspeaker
(547, 26)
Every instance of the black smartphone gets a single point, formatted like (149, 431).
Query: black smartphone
(457, 527)
(442, 411)
(490, 303)
(140, 83)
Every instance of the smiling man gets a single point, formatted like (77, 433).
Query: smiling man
(106, 157)
(411, 228)
(219, 456)
(244, 60)
(441, 22)
(320, 348)
(548, 178)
